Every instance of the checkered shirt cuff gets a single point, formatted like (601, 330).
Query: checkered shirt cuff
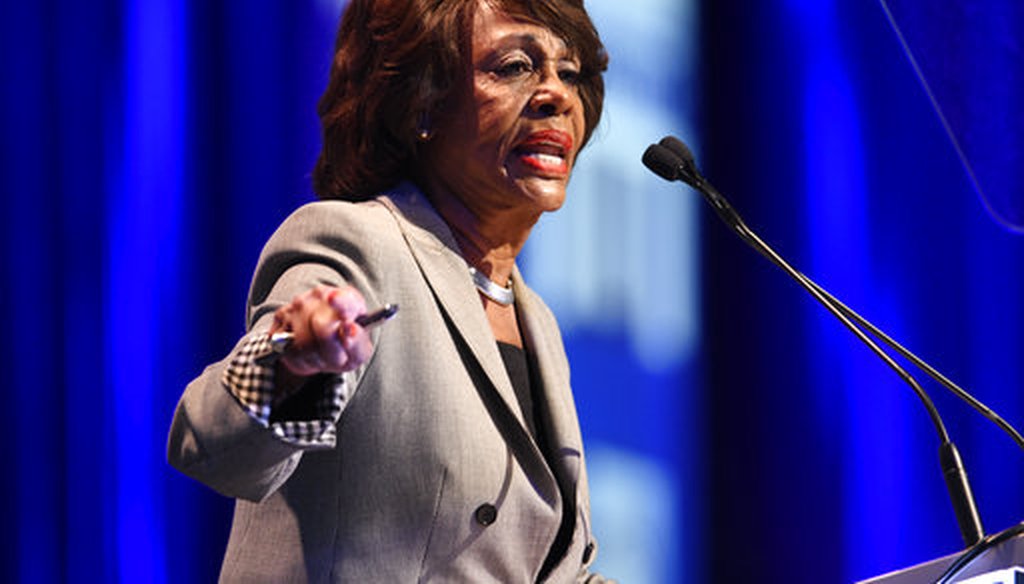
(249, 377)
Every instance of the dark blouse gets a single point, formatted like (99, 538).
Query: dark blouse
(518, 366)
(520, 373)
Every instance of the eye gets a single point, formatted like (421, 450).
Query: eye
(569, 75)
(514, 68)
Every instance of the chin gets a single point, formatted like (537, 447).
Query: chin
(554, 205)
(547, 196)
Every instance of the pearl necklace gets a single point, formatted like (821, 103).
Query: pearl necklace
(501, 295)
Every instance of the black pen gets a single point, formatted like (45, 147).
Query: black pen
(379, 316)
(280, 341)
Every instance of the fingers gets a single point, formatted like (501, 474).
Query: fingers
(348, 302)
(326, 336)
(303, 364)
(358, 346)
(326, 328)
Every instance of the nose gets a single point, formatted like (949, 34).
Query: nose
(552, 96)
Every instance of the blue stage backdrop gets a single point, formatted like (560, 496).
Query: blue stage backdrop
(735, 432)
(824, 466)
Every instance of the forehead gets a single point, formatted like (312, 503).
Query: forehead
(494, 28)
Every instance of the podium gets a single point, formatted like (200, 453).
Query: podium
(997, 559)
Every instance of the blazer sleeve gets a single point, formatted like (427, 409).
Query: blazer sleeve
(212, 438)
(215, 441)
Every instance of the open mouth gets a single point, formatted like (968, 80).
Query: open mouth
(546, 151)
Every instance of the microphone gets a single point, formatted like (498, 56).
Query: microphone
(676, 149)
(672, 160)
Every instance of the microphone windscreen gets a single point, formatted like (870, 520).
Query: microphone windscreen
(662, 161)
(679, 148)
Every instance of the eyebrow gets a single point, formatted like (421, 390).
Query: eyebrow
(525, 38)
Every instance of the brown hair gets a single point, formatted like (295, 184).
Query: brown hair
(395, 63)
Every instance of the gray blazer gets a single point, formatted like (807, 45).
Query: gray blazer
(435, 476)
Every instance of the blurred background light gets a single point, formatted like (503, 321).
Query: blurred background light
(734, 431)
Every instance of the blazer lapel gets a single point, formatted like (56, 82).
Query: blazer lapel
(564, 439)
(437, 254)
(438, 257)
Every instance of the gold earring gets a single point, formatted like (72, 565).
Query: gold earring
(424, 132)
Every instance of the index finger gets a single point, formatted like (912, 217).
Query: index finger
(347, 302)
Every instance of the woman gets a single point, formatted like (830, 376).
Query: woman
(444, 445)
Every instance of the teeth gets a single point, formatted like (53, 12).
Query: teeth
(547, 158)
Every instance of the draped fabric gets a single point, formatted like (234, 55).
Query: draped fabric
(825, 465)
(970, 58)
(148, 148)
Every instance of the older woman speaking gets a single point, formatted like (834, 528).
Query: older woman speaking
(443, 446)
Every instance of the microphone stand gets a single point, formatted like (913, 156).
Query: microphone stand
(672, 161)
(729, 215)
(922, 365)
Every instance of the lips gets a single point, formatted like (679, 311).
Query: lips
(546, 151)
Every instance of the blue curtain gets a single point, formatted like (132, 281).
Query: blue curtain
(825, 466)
(148, 148)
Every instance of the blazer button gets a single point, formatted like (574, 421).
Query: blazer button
(486, 514)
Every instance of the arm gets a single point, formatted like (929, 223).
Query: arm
(228, 440)
(229, 430)
(214, 440)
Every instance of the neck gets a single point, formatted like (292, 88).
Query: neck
(489, 239)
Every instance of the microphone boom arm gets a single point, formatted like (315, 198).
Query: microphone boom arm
(922, 365)
(736, 223)
(671, 160)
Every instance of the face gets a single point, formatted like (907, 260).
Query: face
(513, 132)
